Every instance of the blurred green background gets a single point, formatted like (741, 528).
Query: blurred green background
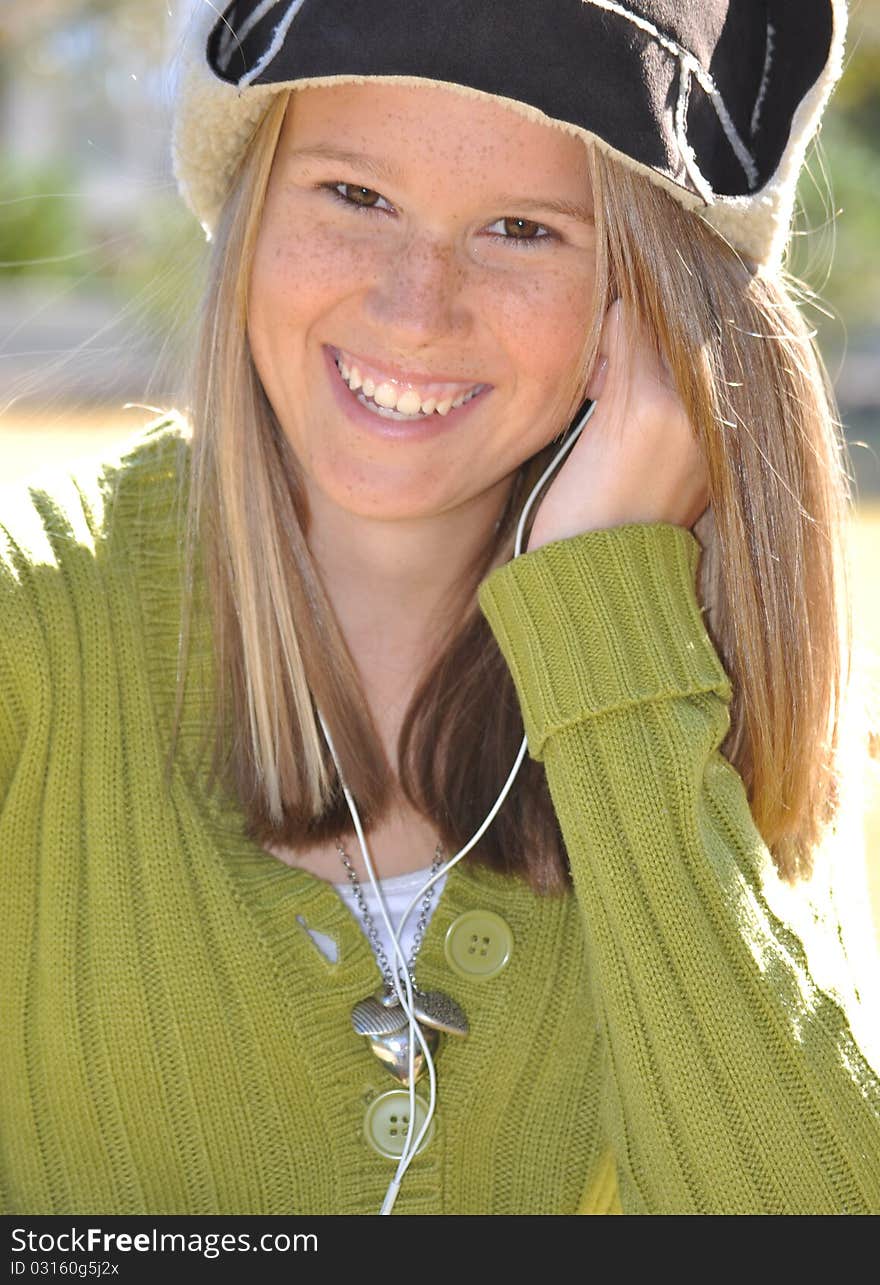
(100, 260)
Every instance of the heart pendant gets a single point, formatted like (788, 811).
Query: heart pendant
(380, 1017)
(438, 1010)
(392, 1050)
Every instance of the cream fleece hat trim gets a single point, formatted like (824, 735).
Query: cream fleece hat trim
(686, 113)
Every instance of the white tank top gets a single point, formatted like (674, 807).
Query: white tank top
(398, 891)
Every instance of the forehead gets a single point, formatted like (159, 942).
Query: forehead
(434, 126)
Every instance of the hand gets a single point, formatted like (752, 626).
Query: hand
(637, 459)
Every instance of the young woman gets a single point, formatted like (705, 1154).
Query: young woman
(293, 639)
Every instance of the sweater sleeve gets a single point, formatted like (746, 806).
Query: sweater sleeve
(733, 1082)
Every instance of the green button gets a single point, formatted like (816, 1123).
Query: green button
(478, 944)
(387, 1123)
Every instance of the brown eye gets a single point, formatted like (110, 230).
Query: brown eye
(355, 197)
(521, 228)
(525, 234)
(358, 194)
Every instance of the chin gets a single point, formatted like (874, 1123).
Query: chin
(389, 498)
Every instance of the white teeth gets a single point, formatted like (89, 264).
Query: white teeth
(384, 395)
(383, 412)
(409, 403)
(406, 405)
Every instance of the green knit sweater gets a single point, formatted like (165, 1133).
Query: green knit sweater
(172, 1040)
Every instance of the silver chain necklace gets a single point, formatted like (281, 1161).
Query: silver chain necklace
(380, 1016)
(372, 932)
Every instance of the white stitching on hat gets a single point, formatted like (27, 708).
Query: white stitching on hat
(275, 47)
(688, 66)
(686, 151)
(231, 35)
(765, 76)
(693, 67)
(227, 32)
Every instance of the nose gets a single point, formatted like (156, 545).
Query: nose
(420, 292)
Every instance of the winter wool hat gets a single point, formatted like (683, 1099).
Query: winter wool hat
(715, 100)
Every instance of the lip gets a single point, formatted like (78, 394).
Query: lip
(417, 429)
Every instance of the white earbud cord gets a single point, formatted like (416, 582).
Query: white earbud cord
(405, 996)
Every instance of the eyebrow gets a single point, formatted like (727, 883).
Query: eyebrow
(384, 170)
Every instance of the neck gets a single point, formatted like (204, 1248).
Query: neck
(395, 585)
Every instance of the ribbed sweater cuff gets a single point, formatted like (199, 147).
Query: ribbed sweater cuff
(599, 621)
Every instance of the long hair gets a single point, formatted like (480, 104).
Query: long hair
(772, 576)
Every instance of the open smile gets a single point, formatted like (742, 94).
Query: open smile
(441, 406)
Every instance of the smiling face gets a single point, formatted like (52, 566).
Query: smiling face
(451, 246)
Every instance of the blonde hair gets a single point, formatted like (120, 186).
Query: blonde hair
(772, 577)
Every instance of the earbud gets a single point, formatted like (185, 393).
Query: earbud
(404, 993)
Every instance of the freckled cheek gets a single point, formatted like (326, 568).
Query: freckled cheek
(297, 278)
(544, 326)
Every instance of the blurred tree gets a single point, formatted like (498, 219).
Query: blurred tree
(837, 225)
(41, 229)
(858, 93)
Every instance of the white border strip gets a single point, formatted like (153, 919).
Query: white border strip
(692, 66)
(277, 41)
(765, 76)
(231, 37)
